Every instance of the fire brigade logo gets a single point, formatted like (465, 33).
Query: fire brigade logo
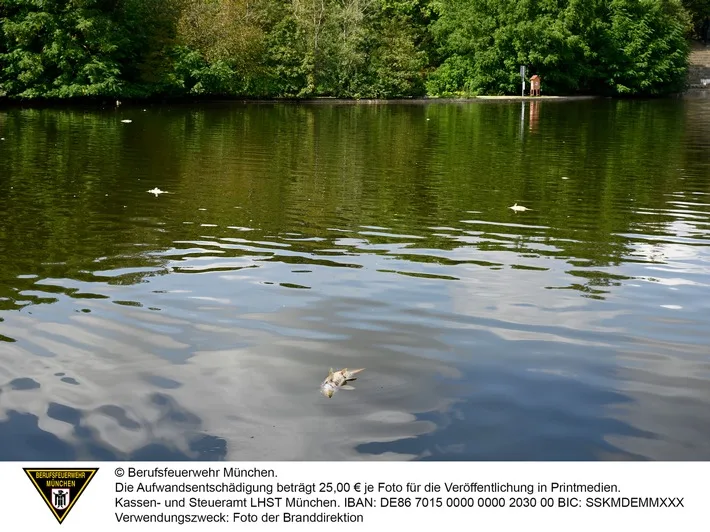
(60, 488)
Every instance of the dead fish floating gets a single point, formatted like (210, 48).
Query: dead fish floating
(519, 208)
(337, 380)
(157, 191)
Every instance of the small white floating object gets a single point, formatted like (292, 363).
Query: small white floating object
(126, 121)
(157, 191)
(519, 208)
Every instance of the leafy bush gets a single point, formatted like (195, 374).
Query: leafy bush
(343, 48)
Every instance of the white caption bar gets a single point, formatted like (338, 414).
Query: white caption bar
(369, 496)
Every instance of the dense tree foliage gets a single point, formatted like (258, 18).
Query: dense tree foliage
(342, 48)
(591, 46)
(699, 11)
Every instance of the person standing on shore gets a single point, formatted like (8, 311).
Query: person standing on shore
(535, 85)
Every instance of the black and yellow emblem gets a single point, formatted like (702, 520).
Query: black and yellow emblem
(60, 488)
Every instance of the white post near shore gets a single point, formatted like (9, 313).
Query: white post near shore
(522, 75)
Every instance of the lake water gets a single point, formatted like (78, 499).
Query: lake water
(199, 324)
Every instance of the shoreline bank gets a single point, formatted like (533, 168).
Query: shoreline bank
(110, 103)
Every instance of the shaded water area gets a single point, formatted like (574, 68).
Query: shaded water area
(198, 324)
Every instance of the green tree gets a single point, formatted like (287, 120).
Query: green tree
(646, 51)
(65, 49)
(608, 46)
(344, 48)
(314, 19)
(370, 48)
(348, 48)
(151, 26)
(287, 70)
(400, 50)
(61, 49)
(220, 46)
(699, 12)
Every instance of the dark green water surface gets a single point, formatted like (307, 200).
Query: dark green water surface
(198, 324)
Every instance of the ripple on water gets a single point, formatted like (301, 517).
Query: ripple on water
(199, 325)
